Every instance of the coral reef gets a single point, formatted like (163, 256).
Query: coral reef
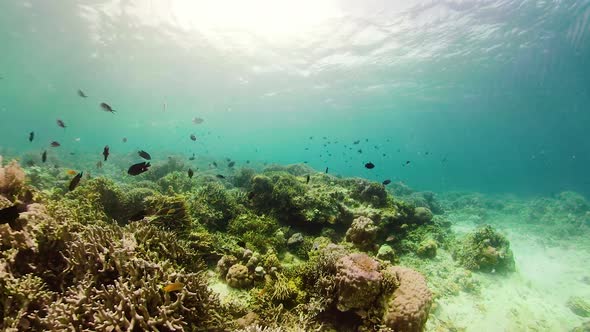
(238, 276)
(485, 250)
(12, 180)
(362, 233)
(409, 304)
(358, 282)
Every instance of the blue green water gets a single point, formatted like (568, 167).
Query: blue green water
(496, 92)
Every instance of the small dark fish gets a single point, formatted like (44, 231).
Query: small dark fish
(107, 108)
(82, 94)
(190, 173)
(60, 123)
(193, 137)
(247, 161)
(307, 179)
(326, 170)
(359, 151)
(105, 152)
(386, 182)
(138, 216)
(251, 195)
(124, 139)
(305, 162)
(31, 136)
(366, 139)
(9, 215)
(138, 168)
(227, 159)
(310, 137)
(55, 144)
(384, 155)
(408, 162)
(214, 164)
(426, 153)
(231, 164)
(192, 157)
(198, 120)
(144, 155)
(44, 156)
(356, 142)
(219, 176)
(369, 165)
(75, 181)
(99, 164)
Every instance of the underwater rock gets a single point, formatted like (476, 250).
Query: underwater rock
(485, 250)
(370, 192)
(225, 263)
(386, 252)
(423, 215)
(358, 281)
(295, 239)
(238, 276)
(362, 233)
(427, 248)
(579, 306)
(409, 304)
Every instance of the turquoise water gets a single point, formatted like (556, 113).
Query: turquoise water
(497, 89)
(483, 102)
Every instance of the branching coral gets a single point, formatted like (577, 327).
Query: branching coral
(12, 180)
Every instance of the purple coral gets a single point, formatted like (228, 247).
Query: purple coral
(358, 281)
(408, 307)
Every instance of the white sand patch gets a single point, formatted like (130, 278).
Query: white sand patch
(532, 299)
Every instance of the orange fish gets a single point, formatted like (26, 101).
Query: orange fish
(71, 172)
(175, 286)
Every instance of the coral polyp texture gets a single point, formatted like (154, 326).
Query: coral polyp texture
(204, 253)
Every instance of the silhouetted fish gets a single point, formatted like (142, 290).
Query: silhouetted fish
(197, 120)
(326, 170)
(9, 215)
(356, 142)
(105, 152)
(214, 164)
(144, 155)
(193, 137)
(75, 181)
(369, 165)
(190, 173)
(219, 176)
(82, 94)
(31, 136)
(55, 144)
(386, 182)
(407, 162)
(107, 108)
(307, 179)
(138, 168)
(124, 139)
(231, 164)
(60, 123)
(192, 157)
(44, 156)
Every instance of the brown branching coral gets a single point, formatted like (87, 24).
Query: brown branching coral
(12, 179)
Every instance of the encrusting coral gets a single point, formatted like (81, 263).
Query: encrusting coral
(362, 233)
(485, 250)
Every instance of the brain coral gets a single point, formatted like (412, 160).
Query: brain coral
(238, 276)
(358, 281)
(408, 306)
(362, 233)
